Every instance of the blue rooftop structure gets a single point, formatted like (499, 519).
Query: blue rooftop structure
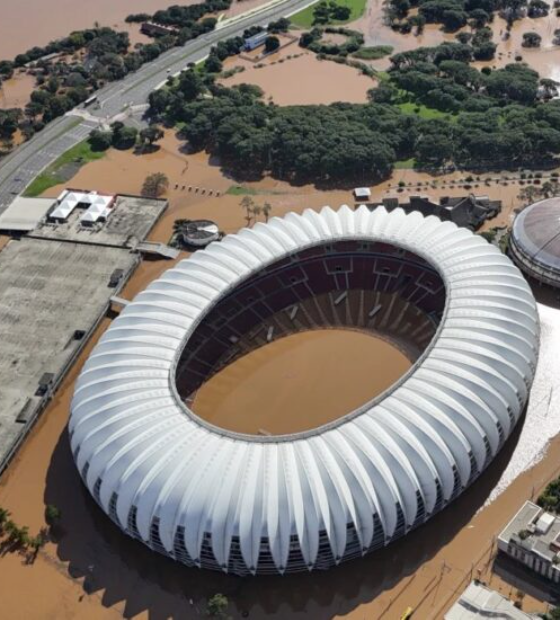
(255, 41)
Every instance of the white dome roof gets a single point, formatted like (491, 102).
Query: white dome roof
(185, 487)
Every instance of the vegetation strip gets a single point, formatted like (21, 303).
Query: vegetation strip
(78, 155)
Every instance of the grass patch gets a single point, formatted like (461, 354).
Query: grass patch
(423, 111)
(405, 164)
(74, 158)
(304, 19)
(373, 53)
(239, 190)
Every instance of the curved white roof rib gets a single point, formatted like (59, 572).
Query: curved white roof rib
(245, 504)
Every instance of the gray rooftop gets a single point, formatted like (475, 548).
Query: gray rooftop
(130, 222)
(478, 602)
(534, 540)
(50, 293)
(24, 214)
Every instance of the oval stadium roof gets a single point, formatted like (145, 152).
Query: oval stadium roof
(535, 240)
(245, 504)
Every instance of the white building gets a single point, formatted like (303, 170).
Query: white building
(532, 537)
(245, 504)
(481, 603)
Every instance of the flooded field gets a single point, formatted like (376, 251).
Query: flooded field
(14, 93)
(300, 382)
(124, 171)
(283, 82)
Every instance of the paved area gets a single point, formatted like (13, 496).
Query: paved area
(131, 221)
(51, 295)
(125, 99)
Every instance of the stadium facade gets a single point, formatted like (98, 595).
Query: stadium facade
(248, 504)
(534, 243)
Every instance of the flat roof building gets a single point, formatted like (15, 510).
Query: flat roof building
(468, 211)
(532, 538)
(362, 193)
(478, 602)
(24, 214)
(255, 41)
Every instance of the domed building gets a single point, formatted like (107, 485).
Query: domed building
(534, 243)
(256, 504)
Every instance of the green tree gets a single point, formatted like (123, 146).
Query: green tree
(478, 18)
(52, 514)
(124, 137)
(550, 189)
(266, 209)
(100, 140)
(217, 606)
(529, 194)
(531, 39)
(4, 517)
(453, 19)
(213, 64)
(158, 100)
(151, 134)
(155, 185)
(257, 210)
(247, 204)
(271, 44)
(191, 85)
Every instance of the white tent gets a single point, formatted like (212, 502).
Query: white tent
(69, 200)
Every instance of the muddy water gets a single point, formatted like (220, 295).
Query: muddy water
(124, 171)
(26, 23)
(300, 382)
(303, 79)
(15, 92)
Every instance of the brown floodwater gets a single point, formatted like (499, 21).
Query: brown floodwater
(15, 92)
(300, 382)
(294, 77)
(125, 171)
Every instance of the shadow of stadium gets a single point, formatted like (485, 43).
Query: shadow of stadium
(121, 570)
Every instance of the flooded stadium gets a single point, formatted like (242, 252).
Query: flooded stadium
(93, 571)
(286, 387)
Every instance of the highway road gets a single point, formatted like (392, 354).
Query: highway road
(126, 98)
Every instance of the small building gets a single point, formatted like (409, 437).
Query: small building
(24, 214)
(479, 602)
(362, 193)
(532, 538)
(152, 29)
(198, 233)
(255, 41)
(467, 211)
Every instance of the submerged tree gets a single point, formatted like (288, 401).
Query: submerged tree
(248, 204)
(155, 185)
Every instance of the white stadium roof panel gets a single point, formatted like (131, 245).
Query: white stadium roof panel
(248, 503)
